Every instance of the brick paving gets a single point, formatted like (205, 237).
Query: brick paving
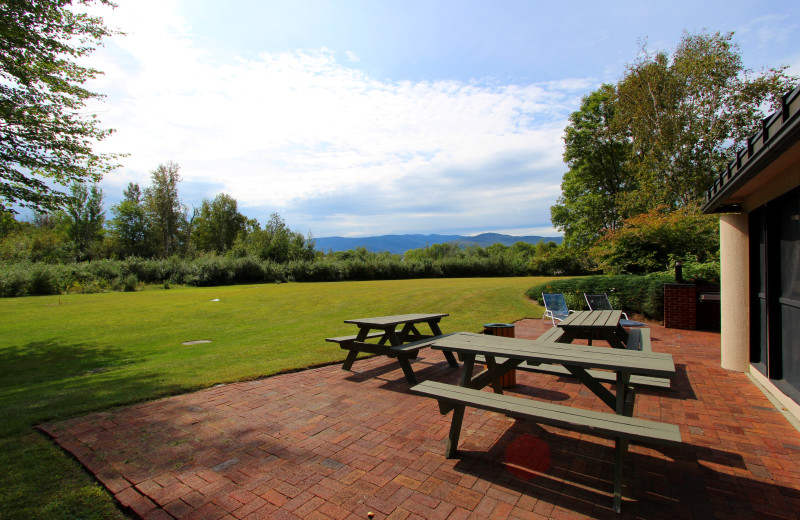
(329, 444)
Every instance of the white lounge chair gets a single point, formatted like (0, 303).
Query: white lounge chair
(555, 307)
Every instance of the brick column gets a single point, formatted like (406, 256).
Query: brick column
(680, 306)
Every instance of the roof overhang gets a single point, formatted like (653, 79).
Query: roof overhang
(780, 132)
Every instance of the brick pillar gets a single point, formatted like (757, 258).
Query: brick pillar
(680, 306)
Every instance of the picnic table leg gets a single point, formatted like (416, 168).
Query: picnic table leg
(349, 360)
(353, 354)
(619, 449)
(435, 328)
(466, 373)
(451, 359)
(615, 340)
(455, 432)
(497, 385)
(405, 364)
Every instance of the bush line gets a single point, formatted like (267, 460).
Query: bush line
(29, 279)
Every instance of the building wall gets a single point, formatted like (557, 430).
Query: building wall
(735, 276)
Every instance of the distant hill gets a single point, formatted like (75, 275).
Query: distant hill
(399, 244)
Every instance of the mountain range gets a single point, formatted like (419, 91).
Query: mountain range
(399, 244)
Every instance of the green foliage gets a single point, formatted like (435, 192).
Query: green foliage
(131, 282)
(701, 272)
(46, 243)
(47, 133)
(166, 215)
(360, 264)
(688, 112)
(85, 218)
(652, 144)
(653, 241)
(129, 227)
(597, 153)
(276, 243)
(640, 294)
(217, 224)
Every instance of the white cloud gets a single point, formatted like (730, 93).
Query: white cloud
(282, 129)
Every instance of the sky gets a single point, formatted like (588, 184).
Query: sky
(364, 118)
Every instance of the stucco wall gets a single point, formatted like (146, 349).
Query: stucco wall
(735, 292)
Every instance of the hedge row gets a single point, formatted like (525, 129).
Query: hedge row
(640, 294)
(27, 279)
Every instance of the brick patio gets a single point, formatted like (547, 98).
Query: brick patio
(324, 443)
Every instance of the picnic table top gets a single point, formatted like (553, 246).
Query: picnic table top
(592, 319)
(534, 352)
(387, 321)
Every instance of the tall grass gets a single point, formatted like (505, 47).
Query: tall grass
(29, 279)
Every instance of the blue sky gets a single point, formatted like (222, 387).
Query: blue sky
(360, 118)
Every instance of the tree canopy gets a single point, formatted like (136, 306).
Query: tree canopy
(688, 112)
(654, 141)
(597, 153)
(46, 135)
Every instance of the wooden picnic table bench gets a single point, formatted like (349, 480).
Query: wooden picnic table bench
(403, 344)
(591, 325)
(638, 339)
(503, 354)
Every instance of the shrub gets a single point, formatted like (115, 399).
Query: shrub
(14, 279)
(130, 283)
(651, 242)
(43, 280)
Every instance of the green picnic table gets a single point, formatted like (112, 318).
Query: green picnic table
(503, 354)
(603, 325)
(396, 336)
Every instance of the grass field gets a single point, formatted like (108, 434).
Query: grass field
(65, 356)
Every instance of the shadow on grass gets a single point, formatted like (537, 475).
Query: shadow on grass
(48, 380)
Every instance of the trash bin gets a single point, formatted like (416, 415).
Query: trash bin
(509, 379)
(708, 311)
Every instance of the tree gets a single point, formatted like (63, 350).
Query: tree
(276, 242)
(217, 224)
(597, 154)
(85, 218)
(166, 215)
(129, 226)
(46, 134)
(655, 141)
(686, 114)
(652, 241)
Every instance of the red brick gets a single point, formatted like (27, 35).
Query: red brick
(337, 445)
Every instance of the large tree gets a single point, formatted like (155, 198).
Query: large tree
(46, 133)
(129, 226)
(597, 154)
(217, 224)
(659, 136)
(84, 218)
(276, 242)
(687, 113)
(166, 214)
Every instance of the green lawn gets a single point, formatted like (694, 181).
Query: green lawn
(65, 356)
